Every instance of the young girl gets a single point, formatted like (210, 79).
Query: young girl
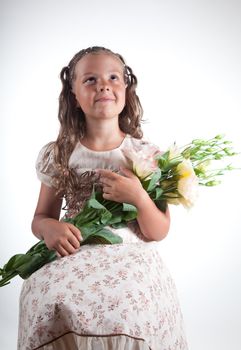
(98, 296)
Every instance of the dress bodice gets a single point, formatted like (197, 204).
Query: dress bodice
(83, 162)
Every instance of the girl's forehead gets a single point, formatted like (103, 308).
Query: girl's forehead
(98, 62)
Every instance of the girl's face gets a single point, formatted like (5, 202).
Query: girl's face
(99, 85)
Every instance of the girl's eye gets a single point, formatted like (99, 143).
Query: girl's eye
(113, 77)
(90, 80)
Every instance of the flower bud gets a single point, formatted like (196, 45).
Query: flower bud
(198, 142)
(212, 183)
(228, 151)
(219, 137)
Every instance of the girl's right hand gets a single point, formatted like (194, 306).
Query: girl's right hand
(63, 237)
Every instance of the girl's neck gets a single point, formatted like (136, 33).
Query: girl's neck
(103, 137)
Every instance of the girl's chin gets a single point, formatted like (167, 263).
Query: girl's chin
(103, 115)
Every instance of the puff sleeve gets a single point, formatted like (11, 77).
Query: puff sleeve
(45, 166)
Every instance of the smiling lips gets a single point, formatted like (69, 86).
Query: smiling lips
(105, 99)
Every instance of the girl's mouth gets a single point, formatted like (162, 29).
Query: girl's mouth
(105, 99)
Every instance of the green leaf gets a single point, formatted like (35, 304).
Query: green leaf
(88, 230)
(118, 225)
(105, 217)
(117, 218)
(25, 264)
(87, 216)
(158, 193)
(129, 207)
(154, 180)
(39, 246)
(93, 203)
(103, 236)
(129, 212)
(15, 262)
(129, 215)
(38, 261)
(163, 160)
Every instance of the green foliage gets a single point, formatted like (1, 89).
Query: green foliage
(92, 221)
(98, 214)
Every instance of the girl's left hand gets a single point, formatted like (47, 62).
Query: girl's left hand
(122, 189)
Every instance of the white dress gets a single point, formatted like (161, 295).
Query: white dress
(103, 297)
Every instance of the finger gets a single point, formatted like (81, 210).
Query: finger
(106, 181)
(75, 231)
(107, 190)
(61, 251)
(127, 172)
(104, 173)
(74, 242)
(107, 196)
(68, 247)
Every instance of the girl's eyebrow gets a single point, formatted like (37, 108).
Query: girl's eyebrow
(91, 73)
(83, 75)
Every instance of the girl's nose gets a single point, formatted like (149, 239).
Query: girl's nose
(103, 86)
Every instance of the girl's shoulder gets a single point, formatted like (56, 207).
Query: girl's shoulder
(46, 151)
(45, 166)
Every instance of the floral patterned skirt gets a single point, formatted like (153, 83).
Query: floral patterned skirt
(103, 297)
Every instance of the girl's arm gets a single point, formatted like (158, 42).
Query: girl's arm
(60, 236)
(153, 223)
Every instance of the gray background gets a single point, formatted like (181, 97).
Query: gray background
(187, 56)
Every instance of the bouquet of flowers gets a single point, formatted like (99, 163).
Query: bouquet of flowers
(173, 177)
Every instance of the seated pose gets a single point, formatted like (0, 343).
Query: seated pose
(101, 297)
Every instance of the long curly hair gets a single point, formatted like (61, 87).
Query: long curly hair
(72, 118)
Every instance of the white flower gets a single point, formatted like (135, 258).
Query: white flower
(187, 184)
(174, 152)
(143, 163)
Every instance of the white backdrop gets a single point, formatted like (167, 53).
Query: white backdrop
(187, 56)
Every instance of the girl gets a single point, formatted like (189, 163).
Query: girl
(98, 296)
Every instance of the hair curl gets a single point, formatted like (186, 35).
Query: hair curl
(72, 118)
